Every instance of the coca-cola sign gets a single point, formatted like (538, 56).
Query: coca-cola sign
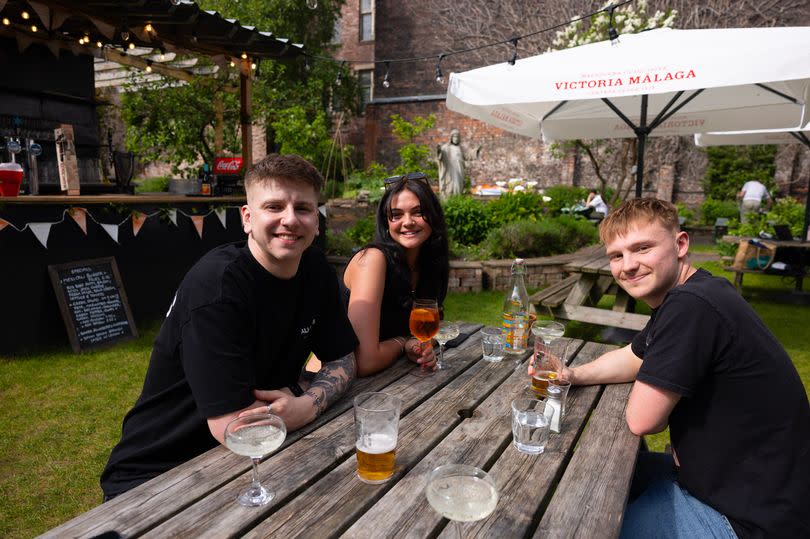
(227, 165)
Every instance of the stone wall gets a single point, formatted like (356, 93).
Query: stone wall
(491, 274)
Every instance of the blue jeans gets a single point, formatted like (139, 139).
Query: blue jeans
(659, 507)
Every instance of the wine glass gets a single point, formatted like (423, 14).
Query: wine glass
(447, 332)
(255, 436)
(546, 365)
(424, 320)
(461, 493)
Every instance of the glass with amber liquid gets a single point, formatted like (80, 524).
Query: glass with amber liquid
(424, 321)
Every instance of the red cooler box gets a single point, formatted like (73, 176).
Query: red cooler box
(11, 175)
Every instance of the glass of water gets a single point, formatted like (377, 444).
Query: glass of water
(531, 420)
(493, 342)
(461, 493)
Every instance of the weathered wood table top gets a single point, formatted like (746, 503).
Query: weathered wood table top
(577, 487)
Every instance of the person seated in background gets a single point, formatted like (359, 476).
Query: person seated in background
(238, 332)
(706, 367)
(595, 206)
(408, 259)
(751, 196)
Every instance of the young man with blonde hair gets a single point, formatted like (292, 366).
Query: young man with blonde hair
(238, 332)
(706, 367)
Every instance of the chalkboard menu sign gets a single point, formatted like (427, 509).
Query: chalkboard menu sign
(93, 302)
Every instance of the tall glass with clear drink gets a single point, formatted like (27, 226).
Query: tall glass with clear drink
(376, 426)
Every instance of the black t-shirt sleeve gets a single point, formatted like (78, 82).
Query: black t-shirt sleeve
(217, 358)
(334, 337)
(678, 347)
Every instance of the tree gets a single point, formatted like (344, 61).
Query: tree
(414, 157)
(611, 160)
(185, 123)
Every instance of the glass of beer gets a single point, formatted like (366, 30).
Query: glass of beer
(424, 320)
(547, 366)
(376, 425)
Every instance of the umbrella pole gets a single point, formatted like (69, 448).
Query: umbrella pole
(641, 133)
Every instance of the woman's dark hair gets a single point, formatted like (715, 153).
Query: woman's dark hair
(433, 263)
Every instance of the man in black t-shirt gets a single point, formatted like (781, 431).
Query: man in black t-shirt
(706, 366)
(239, 331)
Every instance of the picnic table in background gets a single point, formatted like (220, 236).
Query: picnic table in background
(578, 486)
(577, 296)
(796, 252)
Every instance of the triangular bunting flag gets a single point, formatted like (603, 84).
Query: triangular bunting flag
(173, 216)
(53, 46)
(58, 18)
(221, 214)
(138, 219)
(3, 223)
(42, 11)
(41, 231)
(112, 230)
(198, 223)
(80, 216)
(2, 4)
(108, 30)
(23, 41)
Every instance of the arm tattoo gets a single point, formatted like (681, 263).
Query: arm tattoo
(331, 381)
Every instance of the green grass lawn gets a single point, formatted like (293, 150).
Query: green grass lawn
(61, 413)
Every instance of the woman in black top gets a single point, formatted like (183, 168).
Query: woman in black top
(408, 259)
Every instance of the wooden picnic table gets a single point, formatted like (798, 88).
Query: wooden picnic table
(576, 297)
(799, 252)
(577, 487)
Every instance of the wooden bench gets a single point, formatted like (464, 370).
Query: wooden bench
(554, 295)
(738, 276)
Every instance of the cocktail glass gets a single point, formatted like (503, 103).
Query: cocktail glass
(255, 436)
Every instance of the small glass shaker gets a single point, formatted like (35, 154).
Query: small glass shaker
(554, 401)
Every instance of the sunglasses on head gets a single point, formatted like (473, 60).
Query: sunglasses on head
(394, 181)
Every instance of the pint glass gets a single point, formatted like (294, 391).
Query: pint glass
(376, 425)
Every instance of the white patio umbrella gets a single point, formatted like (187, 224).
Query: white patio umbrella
(776, 136)
(660, 82)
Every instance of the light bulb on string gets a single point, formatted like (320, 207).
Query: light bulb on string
(162, 54)
(613, 34)
(312, 4)
(386, 79)
(233, 64)
(244, 56)
(131, 45)
(439, 77)
(339, 77)
(6, 21)
(253, 66)
(124, 29)
(99, 44)
(513, 58)
(34, 28)
(25, 15)
(149, 28)
(148, 66)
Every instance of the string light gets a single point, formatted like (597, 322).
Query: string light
(6, 21)
(99, 44)
(339, 78)
(25, 15)
(149, 28)
(131, 45)
(386, 80)
(439, 77)
(253, 66)
(148, 66)
(513, 59)
(34, 28)
(233, 64)
(613, 34)
(312, 4)
(162, 54)
(244, 56)
(124, 29)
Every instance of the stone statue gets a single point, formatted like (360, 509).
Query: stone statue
(450, 158)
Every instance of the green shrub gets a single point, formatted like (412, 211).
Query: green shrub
(564, 196)
(467, 219)
(511, 207)
(785, 211)
(158, 184)
(687, 213)
(712, 208)
(363, 231)
(339, 244)
(731, 166)
(370, 179)
(539, 238)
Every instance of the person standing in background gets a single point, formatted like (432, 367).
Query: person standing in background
(751, 197)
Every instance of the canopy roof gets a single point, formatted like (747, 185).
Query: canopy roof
(176, 25)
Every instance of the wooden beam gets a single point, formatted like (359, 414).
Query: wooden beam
(246, 110)
(119, 57)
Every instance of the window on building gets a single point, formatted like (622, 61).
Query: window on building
(366, 79)
(366, 20)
